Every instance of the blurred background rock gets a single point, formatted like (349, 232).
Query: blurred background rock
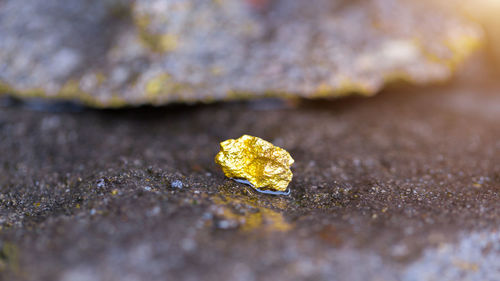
(119, 52)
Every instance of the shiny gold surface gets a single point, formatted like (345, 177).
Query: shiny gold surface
(262, 164)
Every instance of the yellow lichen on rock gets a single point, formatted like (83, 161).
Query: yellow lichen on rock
(262, 164)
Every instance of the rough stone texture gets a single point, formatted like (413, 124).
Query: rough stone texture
(116, 52)
(401, 186)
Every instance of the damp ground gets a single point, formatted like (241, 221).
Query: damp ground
(401, 186)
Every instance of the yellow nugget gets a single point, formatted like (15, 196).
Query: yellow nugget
(257, 162)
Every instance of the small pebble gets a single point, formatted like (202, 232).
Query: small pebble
(224, 224)
(176, 184)
(101, 183)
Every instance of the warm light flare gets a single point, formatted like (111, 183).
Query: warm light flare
(487, 13)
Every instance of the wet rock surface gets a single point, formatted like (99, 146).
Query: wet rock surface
(117, 52)
(402, 186)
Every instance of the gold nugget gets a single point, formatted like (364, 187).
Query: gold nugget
(252, 159)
